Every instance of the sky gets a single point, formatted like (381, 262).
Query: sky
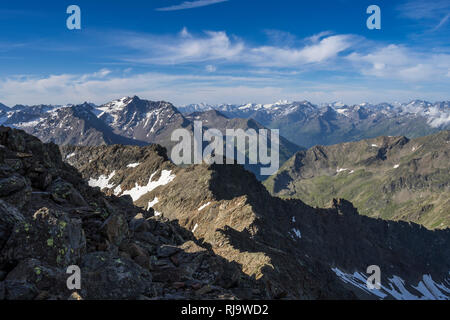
(224, 51)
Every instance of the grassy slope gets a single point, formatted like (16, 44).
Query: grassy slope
(418, 190)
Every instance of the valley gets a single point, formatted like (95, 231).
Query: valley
(393, 178)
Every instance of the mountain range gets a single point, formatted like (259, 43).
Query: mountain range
(134, 121)
(414, 191)
(291, 250)
(141, 227)
(128, 121)
(307, 125)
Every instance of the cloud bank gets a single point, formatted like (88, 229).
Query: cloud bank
(104, 85)
(216, 67)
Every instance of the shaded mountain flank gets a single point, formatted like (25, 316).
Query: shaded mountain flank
(291, 250)
(392, 178)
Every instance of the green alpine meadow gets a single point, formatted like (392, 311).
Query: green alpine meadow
(393, 178)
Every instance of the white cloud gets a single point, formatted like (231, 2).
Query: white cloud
(100, 74)
(210, 68)
(419, 9)
(184, 89)
(442, 22)
(324, 50)
(191, 5)
(279, 37)
(399, 62)
(218, 46)
(316, 37)
(73, 88)
(183, 48)
(433, 14)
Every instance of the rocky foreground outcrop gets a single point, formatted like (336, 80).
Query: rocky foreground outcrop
(289, 249)
(50, 219)
(158, 231)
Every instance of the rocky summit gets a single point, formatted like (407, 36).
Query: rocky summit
(50, 219)
(281, 248)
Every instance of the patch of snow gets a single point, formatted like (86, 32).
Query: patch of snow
(341, 111)
(119, 104)
(138, 191)
(133, 165)
(435, 289)
(195, 228)
(402, 293)
(152, 203)
(341, 169)
(70, 155)
(297, 233)
(102, 181)
(293, 219)
(157, 213)
(203, 206)
(396, 166)
(428, 288)
(118, 190)
(358, 280)
(374, 145)
(30, 123)
(424, 291)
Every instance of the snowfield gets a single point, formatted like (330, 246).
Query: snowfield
(203, 206)
(152, 203)
(427, 288)
(102, 181)
(138, 191)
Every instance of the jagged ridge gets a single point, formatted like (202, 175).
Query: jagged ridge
(294, 250)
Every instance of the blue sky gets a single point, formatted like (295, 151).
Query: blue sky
(224, 51)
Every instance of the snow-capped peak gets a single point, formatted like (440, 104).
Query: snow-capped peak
(338, 104)
(118, 104)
